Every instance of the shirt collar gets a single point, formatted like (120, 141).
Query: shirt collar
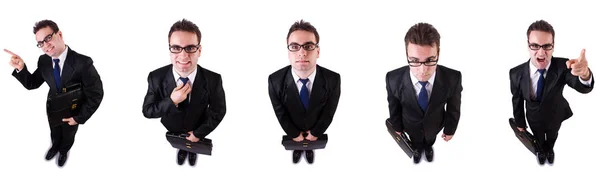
(311, 77)
(415, 81)
(191, 77)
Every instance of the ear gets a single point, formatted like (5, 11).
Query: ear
(318, 51)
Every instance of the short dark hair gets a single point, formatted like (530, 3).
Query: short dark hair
(304, 26)
(541, 25)
(43, 24)
(187, 26)
(423, 34)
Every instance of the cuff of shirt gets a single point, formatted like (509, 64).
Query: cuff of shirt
(586, 83)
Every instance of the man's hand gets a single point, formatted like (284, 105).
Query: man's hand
(299, 138)
(180, 93)
(15, 61)
(192, 138)
(447, 137)
(70, 121)
(310, 137)
(579, 66)
(520, 129)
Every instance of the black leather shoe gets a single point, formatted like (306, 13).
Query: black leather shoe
(51, 153)
(417, 156)
(541, 156)
(550, 156)
(296, 156)
(192, 158)
(181, 154)
(62, 158)
(310, 156)
(429, 154)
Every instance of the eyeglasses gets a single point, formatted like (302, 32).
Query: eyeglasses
(428, 62)
(48, 38)
(188, 49)
(309, 46)
(534, 46)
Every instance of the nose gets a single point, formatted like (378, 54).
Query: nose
(302, 52)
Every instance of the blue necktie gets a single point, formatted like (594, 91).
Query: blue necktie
(57, 74)
(423, 98)
(304, 93)
(540, 85)
(184, 103)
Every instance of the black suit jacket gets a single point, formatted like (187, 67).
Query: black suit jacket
(77, 68)
(553, 108)
(443, 110)
(289, 110)
(206, 108)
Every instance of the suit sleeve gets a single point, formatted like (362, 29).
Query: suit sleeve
(394, 106)
(329, 110)
(155, 106)
(518, 102)
(576, 83)
(92, 90)
(28, 80)
(281, 113)
(216, 109)
(452, 115)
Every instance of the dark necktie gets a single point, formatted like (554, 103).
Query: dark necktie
(184, 103)
(540, 85)
(304, 93)
(423, 98)
(57, 74)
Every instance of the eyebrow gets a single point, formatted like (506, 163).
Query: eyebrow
(430, 58)
(309, 42)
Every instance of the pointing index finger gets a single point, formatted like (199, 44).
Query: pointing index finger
(9, 52)
(582, 55)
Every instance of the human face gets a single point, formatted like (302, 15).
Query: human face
(422, 60)
(303, 51)
(541, 47)
(185, 51)
(51, 43)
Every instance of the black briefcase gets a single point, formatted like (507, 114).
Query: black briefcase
(402, 139)
(290, 144)
(178, 141)
(65, 104)
(525, 137)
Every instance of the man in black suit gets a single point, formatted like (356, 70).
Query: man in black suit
(188, 98)
(61, 67)
(304, 95)
(542, 91)
(424, 97)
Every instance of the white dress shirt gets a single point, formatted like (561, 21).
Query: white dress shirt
(534, 76)
(62, 57)
(418, 86)
(310, 82)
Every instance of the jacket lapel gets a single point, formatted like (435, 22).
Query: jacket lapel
(526, 82)
(292, 94)
(437, 92)
(169, 82)
(67, 70)
(551, 79)
(49, 72)
(318, 91)
(198, 88)
(409, 93)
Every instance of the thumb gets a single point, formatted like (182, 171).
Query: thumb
(179, 87)
(571, 62)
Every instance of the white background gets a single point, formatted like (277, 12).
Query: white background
(245, 42)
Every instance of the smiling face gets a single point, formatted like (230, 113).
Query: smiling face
(50, 42)
(541, 47)
(185, 51)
